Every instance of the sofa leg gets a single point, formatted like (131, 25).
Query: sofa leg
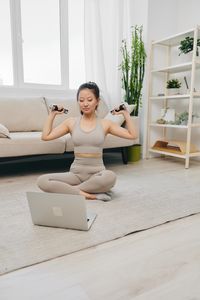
(124, 155)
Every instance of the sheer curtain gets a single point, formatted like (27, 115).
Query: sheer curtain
(106, 24)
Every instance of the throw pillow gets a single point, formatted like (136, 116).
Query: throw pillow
(4, 132)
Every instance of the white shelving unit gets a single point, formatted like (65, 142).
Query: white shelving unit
(170, 70)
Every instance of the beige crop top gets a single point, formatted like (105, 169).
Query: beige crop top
(88, 141)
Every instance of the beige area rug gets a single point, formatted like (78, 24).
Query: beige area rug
(147, 193)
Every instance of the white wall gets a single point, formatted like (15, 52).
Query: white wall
(188, 15)
(139, 13)
(162, 18)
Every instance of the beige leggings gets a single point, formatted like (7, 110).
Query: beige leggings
(80, 178)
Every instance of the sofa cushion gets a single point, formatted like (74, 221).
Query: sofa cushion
(23, 114)
(4, 132)
(29, 143)
(112, 141)
(102, 109)
(69, 146)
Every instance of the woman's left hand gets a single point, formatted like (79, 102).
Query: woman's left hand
(116, 111)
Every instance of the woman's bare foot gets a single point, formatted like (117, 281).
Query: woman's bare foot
(99, 196)
(88, 196)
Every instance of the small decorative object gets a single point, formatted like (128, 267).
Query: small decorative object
(168, 114)
(173, 86)
(178, 147)
(161, 121)
(187, 86)
(195, 118)
(186, 83)
(186, 45)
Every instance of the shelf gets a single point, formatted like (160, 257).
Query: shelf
(163, 146)
(194, 154)
(175, 39)
(179, 96)
(177, 68)
(168, 125)
(175, 126)
(167, 153)
(195, 125)
(183, 96)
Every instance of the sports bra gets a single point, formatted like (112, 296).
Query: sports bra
(88, 141)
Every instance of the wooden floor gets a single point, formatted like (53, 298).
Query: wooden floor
(162, 263)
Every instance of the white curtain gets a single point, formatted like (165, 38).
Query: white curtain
(107, 22)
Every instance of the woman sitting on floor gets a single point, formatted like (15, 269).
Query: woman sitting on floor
(87, 175)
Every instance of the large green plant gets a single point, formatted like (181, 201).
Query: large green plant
(133, 68)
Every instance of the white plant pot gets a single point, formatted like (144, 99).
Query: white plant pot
(173, 91)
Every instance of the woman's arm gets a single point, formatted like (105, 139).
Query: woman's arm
(128, 133)
(50, 133)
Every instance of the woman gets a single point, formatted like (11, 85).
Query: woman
(87, 175)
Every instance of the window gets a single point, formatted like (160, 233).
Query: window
(76, 43)
(47, 43)
(6, 68)
(41, 41)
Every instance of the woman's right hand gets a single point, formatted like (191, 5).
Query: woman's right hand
(58, 111)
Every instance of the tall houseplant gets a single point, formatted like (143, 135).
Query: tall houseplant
(132, 74)
(133, 68)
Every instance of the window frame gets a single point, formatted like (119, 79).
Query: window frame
(17, 50)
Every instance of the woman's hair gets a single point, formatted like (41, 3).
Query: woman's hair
(91, 86)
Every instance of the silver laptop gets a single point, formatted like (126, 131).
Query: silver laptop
(59, 210)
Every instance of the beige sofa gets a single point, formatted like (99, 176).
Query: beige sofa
(22, 120)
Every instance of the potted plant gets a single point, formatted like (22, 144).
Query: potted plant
(182, 118)
(173, 86)
(133, 67)
(186, 45)
(132, 75)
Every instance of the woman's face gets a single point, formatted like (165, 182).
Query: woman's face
(87, 101)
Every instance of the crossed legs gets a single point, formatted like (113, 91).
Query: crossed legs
(70, 183)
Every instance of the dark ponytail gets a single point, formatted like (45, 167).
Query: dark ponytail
(91, 86)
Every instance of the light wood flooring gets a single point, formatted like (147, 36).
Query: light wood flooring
(162, 263)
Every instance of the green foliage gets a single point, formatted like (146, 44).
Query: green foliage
(133, 67)
(182, 118)
(173, 84)
(186, 45)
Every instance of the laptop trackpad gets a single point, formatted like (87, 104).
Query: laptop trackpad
(57, 211)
